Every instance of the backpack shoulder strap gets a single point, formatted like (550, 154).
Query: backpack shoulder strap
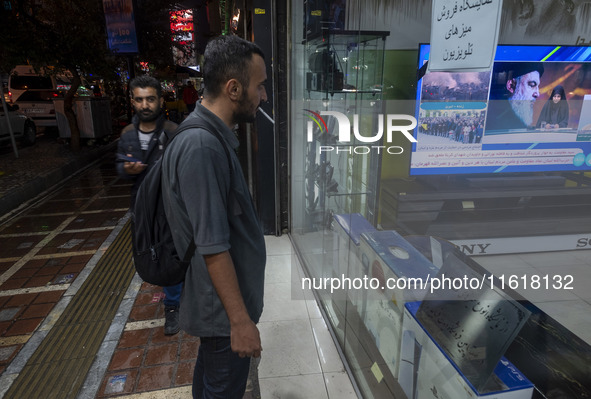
(166, 133)
(199, 124)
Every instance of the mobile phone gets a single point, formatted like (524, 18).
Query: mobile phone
(126, 158)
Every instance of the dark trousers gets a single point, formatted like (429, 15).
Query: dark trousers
(219, 372)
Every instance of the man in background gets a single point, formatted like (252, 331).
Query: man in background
(140, 145)
(190, 96)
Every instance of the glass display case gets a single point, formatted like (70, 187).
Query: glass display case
(344, 77)
(398, 342)
(342, 62)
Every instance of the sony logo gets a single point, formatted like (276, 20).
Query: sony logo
(474, 249)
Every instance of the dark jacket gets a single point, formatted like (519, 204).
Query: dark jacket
(129, 143)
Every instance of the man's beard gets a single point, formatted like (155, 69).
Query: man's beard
(243, 115)
(523, 108)
(149, 116)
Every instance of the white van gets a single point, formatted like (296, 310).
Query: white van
(24, 77)
(34, 92)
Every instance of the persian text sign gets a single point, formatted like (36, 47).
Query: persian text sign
(464, 34)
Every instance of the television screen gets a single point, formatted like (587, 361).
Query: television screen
(530, 113)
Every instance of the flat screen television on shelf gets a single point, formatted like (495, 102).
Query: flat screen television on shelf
(506, 120)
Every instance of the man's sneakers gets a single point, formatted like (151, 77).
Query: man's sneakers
(171, 323)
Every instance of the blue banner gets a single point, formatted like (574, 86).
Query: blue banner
(120, 22)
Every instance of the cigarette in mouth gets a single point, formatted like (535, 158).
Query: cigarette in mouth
(266, 116)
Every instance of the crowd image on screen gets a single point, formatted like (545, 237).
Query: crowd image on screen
(445, 86)
(463, 92)
(464, 128)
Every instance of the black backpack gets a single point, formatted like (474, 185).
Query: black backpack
(154, 254)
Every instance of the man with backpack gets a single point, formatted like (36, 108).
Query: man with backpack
(140, 145)
(207, 202)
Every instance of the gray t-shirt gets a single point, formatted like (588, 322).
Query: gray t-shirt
(196, 193)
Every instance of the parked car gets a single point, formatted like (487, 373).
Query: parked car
(23, 127)
(25, 77)
(38, 105)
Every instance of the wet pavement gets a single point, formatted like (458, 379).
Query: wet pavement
(58, 247)
(39, 168)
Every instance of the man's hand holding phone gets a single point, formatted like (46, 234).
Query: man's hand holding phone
(131, 165)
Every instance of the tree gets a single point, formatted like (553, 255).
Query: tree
(66, 35)
(71, 35)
